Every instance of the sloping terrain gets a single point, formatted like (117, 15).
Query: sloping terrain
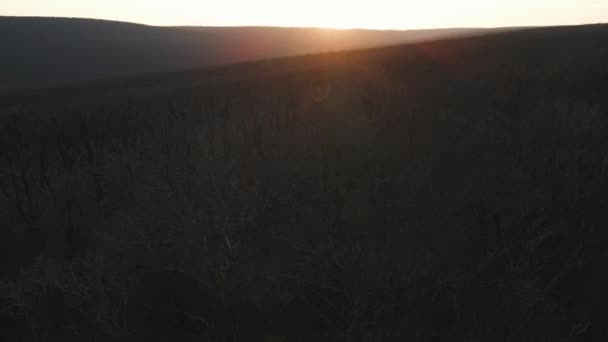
(451, 190)
(55, 50)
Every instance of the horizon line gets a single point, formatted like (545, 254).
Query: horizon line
(426, 28)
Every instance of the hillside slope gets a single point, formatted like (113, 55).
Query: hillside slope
(38, 50)
(450, 190)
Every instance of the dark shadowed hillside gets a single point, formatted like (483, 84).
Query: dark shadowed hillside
(452, 190)
(39, 50)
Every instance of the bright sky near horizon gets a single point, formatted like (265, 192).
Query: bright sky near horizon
(376, 14)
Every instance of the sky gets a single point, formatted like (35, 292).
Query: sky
(373, 14)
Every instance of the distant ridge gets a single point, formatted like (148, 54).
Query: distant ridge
(43, 50)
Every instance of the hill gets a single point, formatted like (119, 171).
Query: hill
(451, 190)
(55, 50)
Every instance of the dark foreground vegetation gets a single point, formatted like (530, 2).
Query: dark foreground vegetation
(444, 191)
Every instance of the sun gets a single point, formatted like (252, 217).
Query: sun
(336, 14)
(343, 14)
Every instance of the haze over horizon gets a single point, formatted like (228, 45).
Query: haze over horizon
(379, 14)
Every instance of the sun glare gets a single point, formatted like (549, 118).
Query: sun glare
(338, 14)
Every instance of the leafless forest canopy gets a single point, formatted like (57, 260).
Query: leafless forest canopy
(441, 191)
